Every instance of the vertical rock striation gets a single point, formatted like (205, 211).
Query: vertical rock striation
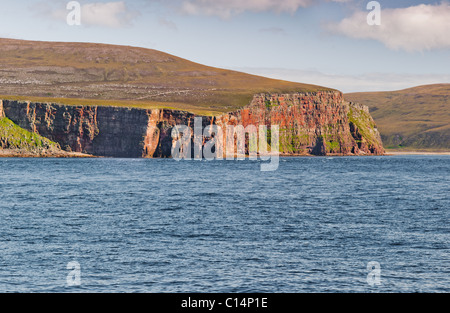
(2, 113)
(319, 123)
(310, 123)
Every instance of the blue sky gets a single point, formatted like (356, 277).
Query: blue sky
(325, 42)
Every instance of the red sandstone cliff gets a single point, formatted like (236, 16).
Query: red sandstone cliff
(314, 123)
(310, 123)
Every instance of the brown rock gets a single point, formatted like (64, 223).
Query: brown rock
(318, 123)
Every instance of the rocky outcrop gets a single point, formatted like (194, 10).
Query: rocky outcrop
(18, 142)
(318, 123)
(364, 130)
(101, 131)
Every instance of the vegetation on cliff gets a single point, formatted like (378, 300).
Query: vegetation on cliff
(14, 137)
(312, 124)
(69, 93)
(363, 128)
(411, 119)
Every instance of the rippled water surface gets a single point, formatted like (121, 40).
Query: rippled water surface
(224, 226)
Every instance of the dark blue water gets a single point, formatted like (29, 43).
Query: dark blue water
(224, 226)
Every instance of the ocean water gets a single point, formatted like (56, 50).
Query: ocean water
(225, 226)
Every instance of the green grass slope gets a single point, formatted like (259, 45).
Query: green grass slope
(411, 119)
(71, 73)
(13, 137)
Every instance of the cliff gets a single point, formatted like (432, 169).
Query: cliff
(14, 138)
(100, 131)
(320, 123)
(18, 142)
(118, 101)
(317, 123)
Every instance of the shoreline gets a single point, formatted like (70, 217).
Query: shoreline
(77, 155)
(46, 155)
(394, 153)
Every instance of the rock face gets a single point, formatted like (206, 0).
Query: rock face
(18, 142)
(313, 123)
(364, 130)
(2, 113)
(101, 131)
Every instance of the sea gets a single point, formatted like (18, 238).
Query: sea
(315, 225)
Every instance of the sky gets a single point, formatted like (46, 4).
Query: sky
(323, 42)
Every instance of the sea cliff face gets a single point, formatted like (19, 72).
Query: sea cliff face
(320, 123)
(310, 123)
(100, 131)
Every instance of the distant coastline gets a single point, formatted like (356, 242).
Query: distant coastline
(6, 153)
(397, 152)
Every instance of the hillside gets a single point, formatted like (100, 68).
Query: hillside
(99, 74)
(412, 119)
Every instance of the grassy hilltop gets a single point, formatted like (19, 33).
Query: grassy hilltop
(99, 74)
(411, 119)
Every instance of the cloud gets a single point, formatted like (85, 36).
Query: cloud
(109, 14)
(228, 8)
(417, 28)
(351, 83)
(105, 14)
(117, 14)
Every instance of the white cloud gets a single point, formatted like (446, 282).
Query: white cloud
(416, 28)
(228, 8)
(351, 83)
(106, 14)
(110, 14)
